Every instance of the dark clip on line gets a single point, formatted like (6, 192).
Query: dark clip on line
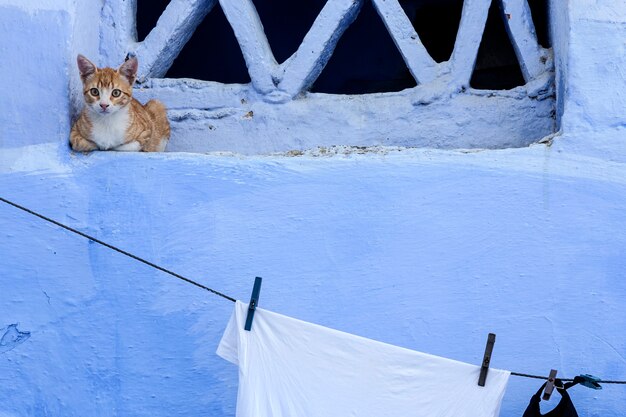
(588, 381)
(254, 302)
(491, 340)
(547, 392)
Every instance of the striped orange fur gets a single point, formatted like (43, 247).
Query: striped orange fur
(112, 119)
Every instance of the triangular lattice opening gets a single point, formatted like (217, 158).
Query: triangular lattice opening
(286, 22)
(212, 53)
(148, 13)
(436, 23)
(365, 60)
(497, 67)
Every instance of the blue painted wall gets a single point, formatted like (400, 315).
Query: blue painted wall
(430, 250)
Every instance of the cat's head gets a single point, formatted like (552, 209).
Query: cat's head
(106, 90)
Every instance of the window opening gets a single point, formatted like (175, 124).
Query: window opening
(148, 13)
(362, 58)
(212, 53)
(286, 22)
(497, 67)
(365, 60)
(437, 23)
(539, 11)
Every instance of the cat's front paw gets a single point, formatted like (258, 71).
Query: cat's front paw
(133, 146)
(84, 146)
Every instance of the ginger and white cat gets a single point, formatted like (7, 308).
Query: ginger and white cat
(112, 119)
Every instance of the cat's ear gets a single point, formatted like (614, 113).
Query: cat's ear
(85, 66)
(129, 69)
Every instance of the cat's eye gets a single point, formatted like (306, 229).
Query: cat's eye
(94, 92)
(116, 93)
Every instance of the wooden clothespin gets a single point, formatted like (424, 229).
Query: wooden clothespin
(254, 302)
(547, 392)
(491, 340)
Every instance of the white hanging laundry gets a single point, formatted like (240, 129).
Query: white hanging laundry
(291, 368)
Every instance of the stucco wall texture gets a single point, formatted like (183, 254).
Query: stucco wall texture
(426, 249)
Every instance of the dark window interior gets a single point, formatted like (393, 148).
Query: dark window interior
(437, 23)
(496, 67)
(148, 12)
(539, 11)
(286, 22)
(365, 60)
(212, 53)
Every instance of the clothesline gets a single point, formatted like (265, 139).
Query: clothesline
(123, 252)
(197, 284)
(601, 381)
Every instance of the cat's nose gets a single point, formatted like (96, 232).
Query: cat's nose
(104, 106)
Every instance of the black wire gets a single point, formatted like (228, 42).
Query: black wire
(563, 379)
(174, 274)
(123, 252)
(539, 376)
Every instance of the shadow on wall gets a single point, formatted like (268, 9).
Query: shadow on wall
(365, 59)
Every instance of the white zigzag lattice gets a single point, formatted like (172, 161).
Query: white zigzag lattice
(285, 81)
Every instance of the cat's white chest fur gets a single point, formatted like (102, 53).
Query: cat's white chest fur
(109, 130)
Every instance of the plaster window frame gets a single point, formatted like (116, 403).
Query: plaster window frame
(286, 83)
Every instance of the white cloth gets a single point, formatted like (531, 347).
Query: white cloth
(291, 368)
